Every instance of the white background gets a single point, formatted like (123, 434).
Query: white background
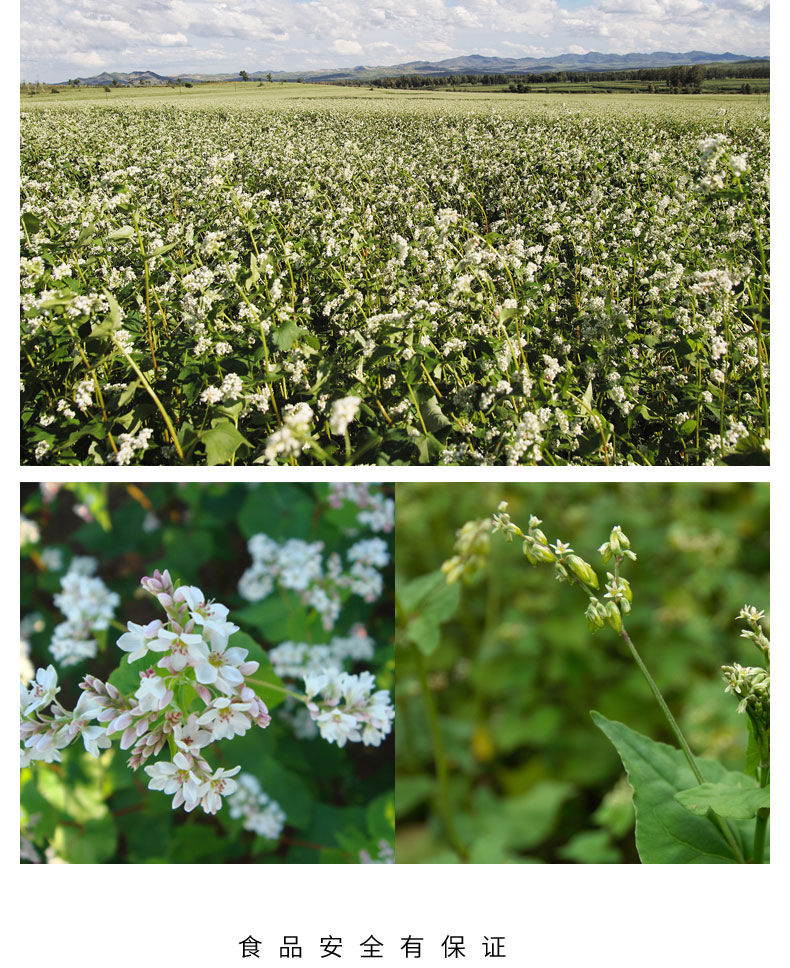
(566, 915)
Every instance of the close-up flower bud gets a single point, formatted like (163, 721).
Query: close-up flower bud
(582, 570)
(595, 615)
(613, 617)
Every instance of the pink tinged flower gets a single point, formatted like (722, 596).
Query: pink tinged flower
(226, 718)
(137, 641)
(86, 709)
(95, 738)
(153, 694)
(220, 669)
(129, 737)
(258, 712)
(217, 786)
(161, 582)
(50, 755)
(204, 692)
(213, 616)
(190, 738)
(183, 648)
(43, 689)
(116, 721)
(176, 778)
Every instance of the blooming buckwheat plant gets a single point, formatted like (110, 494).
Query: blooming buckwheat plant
(198, 690)
(724, 817)
(324, 282)
(321, 581)
(204, 699)
(190, 657)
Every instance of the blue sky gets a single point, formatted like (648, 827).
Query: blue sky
(70, 38)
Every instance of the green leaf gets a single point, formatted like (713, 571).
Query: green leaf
(666, 833)
(160, 250)
(86, 235)
(587, 396)
(738, 800)
(93, 843)
(221, 442)
(277, 619)
(432, 415)
(590, 847)
(380, 816)
(285, 336)
(78, 799)
(431, 596)
(126, 677)
(411, 791)
(126, 232)
(753, 757)
(530, 817)
(428, 601)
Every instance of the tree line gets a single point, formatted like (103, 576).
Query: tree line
(677, 77)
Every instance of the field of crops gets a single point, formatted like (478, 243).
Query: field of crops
(288, 277)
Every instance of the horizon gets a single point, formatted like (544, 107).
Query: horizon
(262, 71)
(85, 38)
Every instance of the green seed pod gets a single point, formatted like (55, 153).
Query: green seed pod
(595, 620)
(527, 548)
(582, 570)
(613, 617)
(542, 553)
(560, 572)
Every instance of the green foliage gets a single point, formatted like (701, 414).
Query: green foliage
(338, 802)
(737, 798)
(516, 671)
(427, 602)
(668, 828)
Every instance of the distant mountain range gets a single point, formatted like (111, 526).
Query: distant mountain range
(470, 64)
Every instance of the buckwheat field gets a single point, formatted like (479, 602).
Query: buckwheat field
(394, 279)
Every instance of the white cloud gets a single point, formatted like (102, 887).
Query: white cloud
(347, 47)
(62, 37)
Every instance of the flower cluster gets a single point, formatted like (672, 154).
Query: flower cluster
(300, 566)
(45, 735)
(752, 684)
(89, 606)
(292, 660)
(259, 812)
(718, 159)
(346, 708)
(472, 544)
(295, 660)
(571, 568)
(29, 533)
(376, 511)
(190, 687)
(385, 855)
(193, 659)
